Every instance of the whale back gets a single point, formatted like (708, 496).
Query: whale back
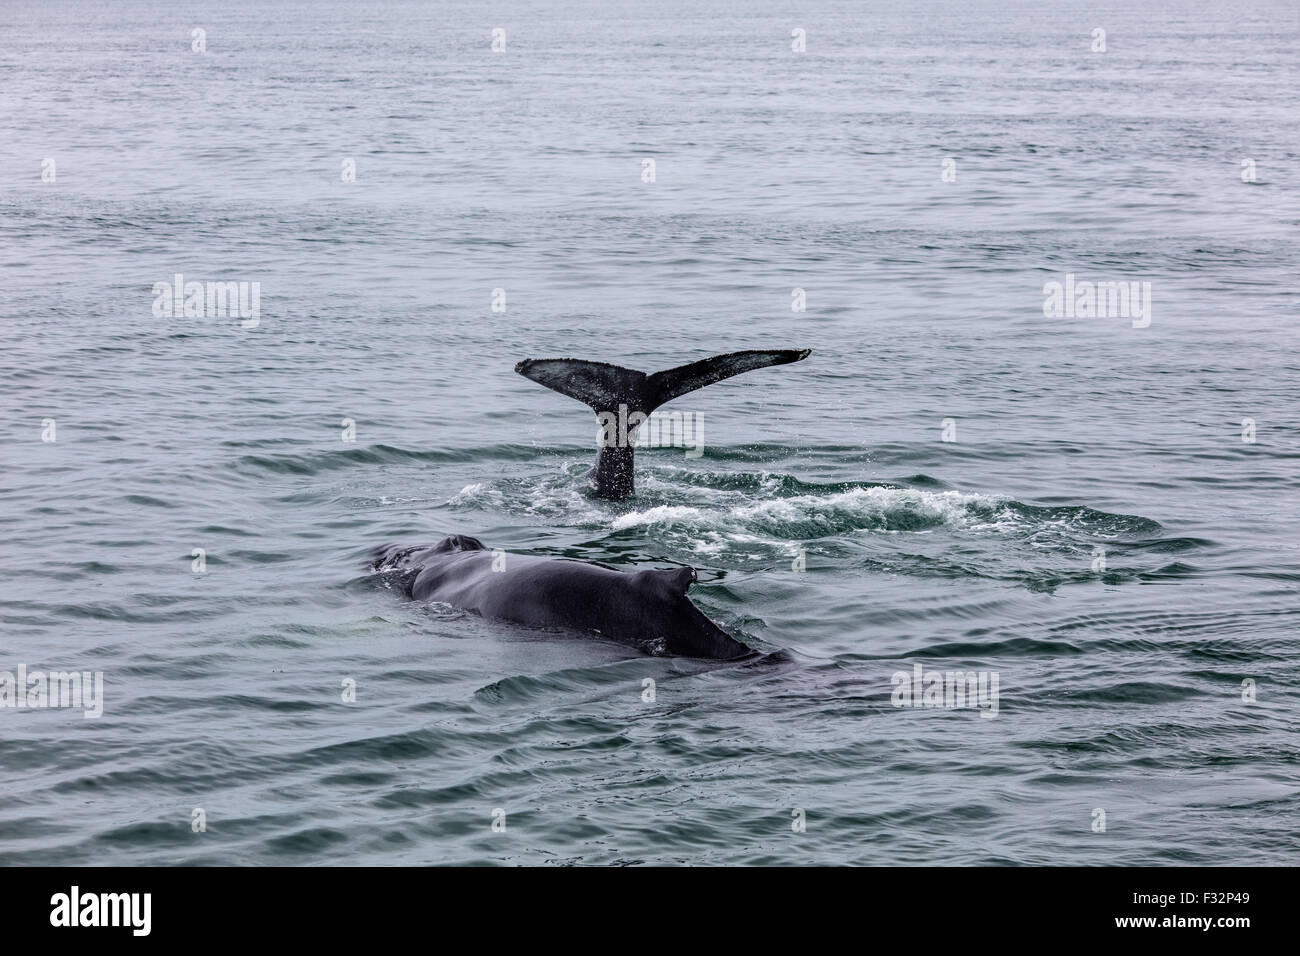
(650, 609)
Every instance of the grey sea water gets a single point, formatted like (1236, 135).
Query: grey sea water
(1100, 535)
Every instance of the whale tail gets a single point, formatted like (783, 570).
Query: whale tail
(622, 392)
(603, 387)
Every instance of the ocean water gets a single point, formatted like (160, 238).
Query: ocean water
(1102, 536)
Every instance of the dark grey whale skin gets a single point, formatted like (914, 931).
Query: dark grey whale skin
(604, 388)
(648, 610)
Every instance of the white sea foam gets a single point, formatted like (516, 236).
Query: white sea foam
(874, 508)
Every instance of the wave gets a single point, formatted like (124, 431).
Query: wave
(917, 526)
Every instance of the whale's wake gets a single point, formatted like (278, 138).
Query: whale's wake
(914, 526)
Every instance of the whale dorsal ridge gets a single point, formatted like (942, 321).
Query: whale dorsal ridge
(460, 542)
(675, 580)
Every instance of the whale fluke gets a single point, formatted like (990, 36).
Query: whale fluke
(604, 388)
(598, 385)
(665, 386)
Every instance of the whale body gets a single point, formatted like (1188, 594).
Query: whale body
(648, 610)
